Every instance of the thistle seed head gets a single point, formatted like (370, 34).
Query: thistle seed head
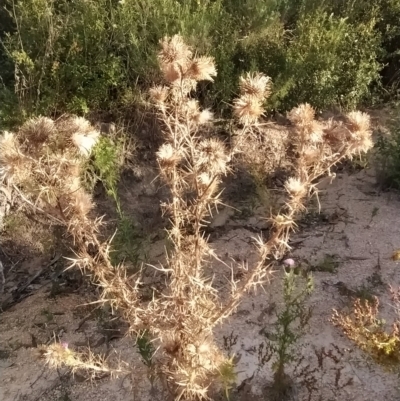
(37, 130)
(159, 94)
(85, 142)
(295, 187)
(255, 84)
(167, 156)
(302, 115)
(248, 109)
(202, 69)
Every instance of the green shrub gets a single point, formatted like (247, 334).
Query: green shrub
(331, 60)
(63, 55)
(105, 165)
(388, 158)
(99, 55)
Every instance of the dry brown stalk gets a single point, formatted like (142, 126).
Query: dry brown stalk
(193, 178)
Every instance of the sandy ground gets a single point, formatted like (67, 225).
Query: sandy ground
(358, 227)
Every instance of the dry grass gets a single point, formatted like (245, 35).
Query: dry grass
(24, 232)
(42, 162)
(369, 331)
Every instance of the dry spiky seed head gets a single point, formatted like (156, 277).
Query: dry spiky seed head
(248, 109)
(85, 142)
(212, 156)
(37, 130)
(193, 113)
(202, 69)
(362, 144)
(174, 57)
(167, 156)
(159, 94)
(255, 84)
(207, 184)
(192, 109)
(361, 133)
(205, 179)
(204, 117)
(295, 187)
(174, 50)
(172, 73)
(302, 115)
(58, 355)
(79, 124)
(358, 121)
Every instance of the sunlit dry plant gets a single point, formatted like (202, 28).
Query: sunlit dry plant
(202, 69)
(364, 326)
(13, 164)
(308, 149)
(255, 84)
(192, 164)
(254, 90)
(42, 162)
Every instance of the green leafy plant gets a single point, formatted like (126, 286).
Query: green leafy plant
(388, 157)
(291, 324)
(283, 340)
(227, 376)
(105, 165)
(128, 244)
(145, 347)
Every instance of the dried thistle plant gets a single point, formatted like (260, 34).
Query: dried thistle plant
(192, 165)
(43, 160)
(43, 165)
(59, 355)
(315, 147)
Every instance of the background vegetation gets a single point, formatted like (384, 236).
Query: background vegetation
(87, 56)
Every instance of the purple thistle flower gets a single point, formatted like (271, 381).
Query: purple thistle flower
(289, 262)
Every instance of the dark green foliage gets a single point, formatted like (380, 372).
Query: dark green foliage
(145, 348)
(100, 55)
(388, 158)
